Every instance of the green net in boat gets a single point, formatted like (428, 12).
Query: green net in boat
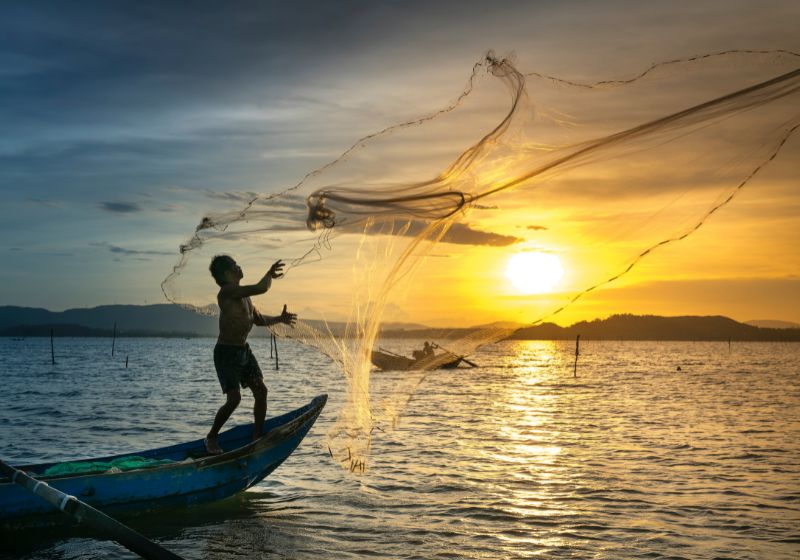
(121, 464)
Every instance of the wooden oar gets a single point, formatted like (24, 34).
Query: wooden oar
(473, 364)
(85, 513)
(392, 353)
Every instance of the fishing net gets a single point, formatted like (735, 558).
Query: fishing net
(120, 464)
(416, 222)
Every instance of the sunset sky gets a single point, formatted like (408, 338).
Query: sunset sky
(125, 123)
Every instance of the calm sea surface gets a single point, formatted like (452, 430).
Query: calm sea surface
(515, 459)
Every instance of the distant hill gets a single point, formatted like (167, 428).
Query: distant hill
(403, 326)
(61, 329)
(772, 324)
(171, 320)
(653, 327)
(132, 320)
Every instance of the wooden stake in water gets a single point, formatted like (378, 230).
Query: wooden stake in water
(126, 360)
(275, 344)
(52, 349)
(577, 353)
(113, 339)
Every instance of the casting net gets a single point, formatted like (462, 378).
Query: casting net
(417, 219)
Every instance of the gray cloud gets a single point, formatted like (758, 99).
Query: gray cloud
(243, 197)
(120, 207)
(129, 252)
(464, 234)
(459, 233)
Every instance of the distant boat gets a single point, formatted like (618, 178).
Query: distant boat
(388, 361)
(192, 476)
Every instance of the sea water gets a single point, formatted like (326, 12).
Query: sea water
(654, 450)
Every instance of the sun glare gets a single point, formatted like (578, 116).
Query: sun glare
(534, 273)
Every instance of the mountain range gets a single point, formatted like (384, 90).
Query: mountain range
(172, 320)
(129, 320)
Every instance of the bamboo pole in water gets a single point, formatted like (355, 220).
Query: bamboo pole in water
(85, 513)
(577, 353)
(52, 348)
(113, 339)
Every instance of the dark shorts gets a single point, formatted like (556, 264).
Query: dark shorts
(235, 366)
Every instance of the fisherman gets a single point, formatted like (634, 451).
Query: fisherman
(426, 352)
(234, 361)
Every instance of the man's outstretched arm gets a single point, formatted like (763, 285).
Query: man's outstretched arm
(267, 321)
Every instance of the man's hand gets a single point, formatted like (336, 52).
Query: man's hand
(286, 317)
(276, 270)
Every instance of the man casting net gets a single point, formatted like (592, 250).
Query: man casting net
(416, 219)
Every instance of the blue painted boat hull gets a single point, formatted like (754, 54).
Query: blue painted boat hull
(195, 477)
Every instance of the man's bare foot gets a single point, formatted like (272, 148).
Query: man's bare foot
(212, 446)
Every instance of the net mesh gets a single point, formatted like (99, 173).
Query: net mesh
(601, 174)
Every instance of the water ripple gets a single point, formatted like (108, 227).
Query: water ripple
(516, 459)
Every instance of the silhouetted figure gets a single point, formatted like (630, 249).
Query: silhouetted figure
(234, 361)
(426, 352)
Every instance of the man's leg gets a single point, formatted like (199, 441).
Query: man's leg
(233, 398)
(260, 406)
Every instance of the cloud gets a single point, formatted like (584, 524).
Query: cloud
(243, 197)
(458, 234)
(536, 228)
(463, 234)
(129, 252)
(120, 207)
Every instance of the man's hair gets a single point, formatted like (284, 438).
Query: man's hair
(219, 265)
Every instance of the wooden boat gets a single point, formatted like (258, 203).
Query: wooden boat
(386, 361)
(191, 478)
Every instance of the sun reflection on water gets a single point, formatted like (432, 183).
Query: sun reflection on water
(514, 459)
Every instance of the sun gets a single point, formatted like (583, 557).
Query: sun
(534, 273)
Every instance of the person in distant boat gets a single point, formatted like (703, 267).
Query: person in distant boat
(234, 361)
(426, 352)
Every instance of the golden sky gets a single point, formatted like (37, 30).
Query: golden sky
(105, 178)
